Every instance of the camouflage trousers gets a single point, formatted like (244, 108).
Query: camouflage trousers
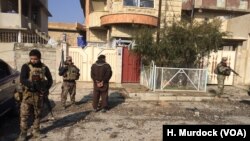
(220, 80)
(32, 104)
(68, 87)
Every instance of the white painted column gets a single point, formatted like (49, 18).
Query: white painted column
(20, 7)
(20, 12)
(19, 37)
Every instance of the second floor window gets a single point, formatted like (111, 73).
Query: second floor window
(139, 3)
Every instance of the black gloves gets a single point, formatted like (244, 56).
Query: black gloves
(62, 70)
(32, 87)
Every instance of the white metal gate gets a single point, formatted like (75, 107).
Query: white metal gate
(214, 59)
(174, 79)
(84, 58)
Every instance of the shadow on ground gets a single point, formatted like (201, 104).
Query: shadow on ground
(115, 98)
(66, 121)
(48, 108)
(10, 124)
(245, 102)
(212, 91)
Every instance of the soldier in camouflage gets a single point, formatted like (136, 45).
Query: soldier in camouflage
(70, 74)
(222, 70)
(32, 98)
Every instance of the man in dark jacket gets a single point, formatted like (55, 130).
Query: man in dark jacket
(36, 78)
(70, 74)
(101, 73)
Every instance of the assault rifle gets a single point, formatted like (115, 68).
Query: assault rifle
(41, 87)
(234, 72)
(62, 60)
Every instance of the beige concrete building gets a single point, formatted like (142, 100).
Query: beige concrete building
(240, 28)
(236, 47)
(111, 21)
(22, 21)
(71, 32)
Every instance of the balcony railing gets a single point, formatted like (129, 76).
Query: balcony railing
(13, 37)
(8, 37)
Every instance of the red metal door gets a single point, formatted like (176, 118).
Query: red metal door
(130, 67)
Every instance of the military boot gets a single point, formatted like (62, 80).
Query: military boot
(37, 134)
(22, 137)
(63, 107)
(73, 103)
(104, 110)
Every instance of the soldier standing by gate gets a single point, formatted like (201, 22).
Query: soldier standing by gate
(222, 70)
(35, 76)
(101, 73)
(70, 74)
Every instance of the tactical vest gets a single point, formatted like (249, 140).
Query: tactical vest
(227, 72)
(72, 73)
(36, 74)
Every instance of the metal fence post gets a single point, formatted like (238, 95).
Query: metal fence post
(206, 74)
(154, 78)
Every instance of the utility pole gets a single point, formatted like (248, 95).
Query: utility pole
(159, 23)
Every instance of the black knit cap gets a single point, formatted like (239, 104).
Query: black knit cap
(101, 57)
(35, 52)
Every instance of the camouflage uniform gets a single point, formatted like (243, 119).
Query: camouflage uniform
(70, 74)
(222, 70)
(31, 101)
(32, 97)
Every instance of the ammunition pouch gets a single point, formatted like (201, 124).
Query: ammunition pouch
(72, 73)
(19, 92)
(18, 96)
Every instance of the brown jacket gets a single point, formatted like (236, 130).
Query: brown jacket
(101, 71)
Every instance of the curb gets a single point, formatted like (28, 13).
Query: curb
(167, 97)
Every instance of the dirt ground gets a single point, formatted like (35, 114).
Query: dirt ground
(129, 119)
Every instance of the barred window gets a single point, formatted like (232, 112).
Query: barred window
(139, 3)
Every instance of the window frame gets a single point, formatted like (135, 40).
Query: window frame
(138, 4)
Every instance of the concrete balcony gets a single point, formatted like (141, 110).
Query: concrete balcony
(129, 18)
(10, 20)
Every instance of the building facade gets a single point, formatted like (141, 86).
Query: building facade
(73, 33)
(111, 21)
(22, 20)
(239, 27)
(236, 46)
